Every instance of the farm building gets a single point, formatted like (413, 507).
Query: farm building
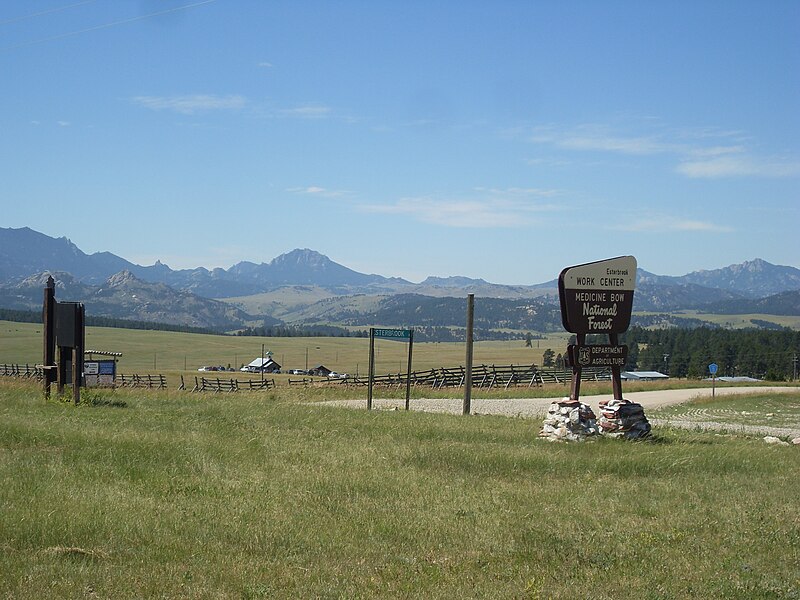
(320, 371)
(267, 365)
(643, 376)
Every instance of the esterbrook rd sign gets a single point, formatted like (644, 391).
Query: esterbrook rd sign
(597, 297)
(393, 334)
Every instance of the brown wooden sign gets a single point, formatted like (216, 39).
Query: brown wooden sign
(597, 297)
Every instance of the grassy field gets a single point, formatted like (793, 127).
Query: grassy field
(256, 496)
(163, 351)
(742, 321)
(755, 409)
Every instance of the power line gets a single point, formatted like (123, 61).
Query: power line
(42, 13)
(111, 24)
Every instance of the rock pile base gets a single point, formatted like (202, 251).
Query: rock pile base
(622, 418)
(569, 420)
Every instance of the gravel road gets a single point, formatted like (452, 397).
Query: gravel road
(537, 407)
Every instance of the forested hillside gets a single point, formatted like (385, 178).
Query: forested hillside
(688, 352)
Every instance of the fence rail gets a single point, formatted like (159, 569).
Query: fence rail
(216, 384)
(158, 382)
(483, 376)
(23, 371)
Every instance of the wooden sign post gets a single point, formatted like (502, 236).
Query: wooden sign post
(389, 334)
(49, 335)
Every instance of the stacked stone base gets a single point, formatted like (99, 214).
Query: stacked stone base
(569, 420)
(623, 419)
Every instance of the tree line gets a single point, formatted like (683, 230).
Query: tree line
(295, 331)
(755, 353)
(32, 316)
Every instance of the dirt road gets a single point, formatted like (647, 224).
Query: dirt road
(537, 407)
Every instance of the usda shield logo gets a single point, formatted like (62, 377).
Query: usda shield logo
(584, 356)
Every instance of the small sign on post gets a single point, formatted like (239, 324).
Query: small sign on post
(401, 335)
(712, 368)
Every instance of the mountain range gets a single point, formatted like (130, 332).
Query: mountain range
(306, 287)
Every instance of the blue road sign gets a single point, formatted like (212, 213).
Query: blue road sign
(712, 368)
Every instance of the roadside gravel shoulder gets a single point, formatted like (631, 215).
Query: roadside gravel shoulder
(537, 407)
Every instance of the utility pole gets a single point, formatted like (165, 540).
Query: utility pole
(666, 358)
(794, 370)
(467, 403)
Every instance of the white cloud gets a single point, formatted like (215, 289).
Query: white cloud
(600, 138)
(64, 123)
(191, 104)
(265, 65)
(519, 192)
(306, 111)
(497, 209)
(738, 166)
(634, 145)
(700, 152)
(716, 151)
(314, 190)
(548, 162)
(663, 224)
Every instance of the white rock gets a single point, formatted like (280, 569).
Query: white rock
(796, 441)
(771, 439)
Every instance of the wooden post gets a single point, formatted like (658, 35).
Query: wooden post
(408, 368)
(61, 369)
(371, 375)
(575, 390)
(49, 335)
(616, 371)
(76, 376)
(467, 404)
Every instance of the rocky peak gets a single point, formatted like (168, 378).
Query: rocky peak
(301, 258)
(61, 278)
(453, 281)
(121, 279)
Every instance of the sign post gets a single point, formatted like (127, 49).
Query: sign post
(389, 334)
(597, 298)
(712, 368)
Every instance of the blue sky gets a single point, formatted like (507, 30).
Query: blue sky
(502, 140)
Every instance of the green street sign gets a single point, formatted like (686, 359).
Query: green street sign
(392, 334)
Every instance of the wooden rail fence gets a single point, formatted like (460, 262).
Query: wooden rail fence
(158, 382)
(23, 371)
(483, 376)
(216, 384)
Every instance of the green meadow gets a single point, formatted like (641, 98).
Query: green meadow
(138, 494)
